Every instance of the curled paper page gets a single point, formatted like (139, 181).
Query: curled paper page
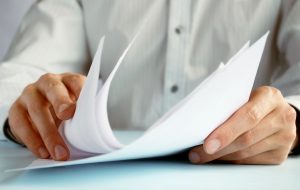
(89, 130)
(187, 124)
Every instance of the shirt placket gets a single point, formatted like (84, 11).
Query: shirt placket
(178, 32)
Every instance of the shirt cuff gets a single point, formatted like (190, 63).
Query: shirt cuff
(295, 102)
(4, 108)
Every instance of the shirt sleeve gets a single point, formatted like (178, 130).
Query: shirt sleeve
(51, 38)
(287, 79)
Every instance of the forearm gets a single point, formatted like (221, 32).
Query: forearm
(38, 48)
(14, 77)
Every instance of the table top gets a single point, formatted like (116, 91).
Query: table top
(163, 173)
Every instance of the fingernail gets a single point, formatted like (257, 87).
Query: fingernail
(194, 157)
(43, 152)
(63, 107)
(212, 146)
(60, 152)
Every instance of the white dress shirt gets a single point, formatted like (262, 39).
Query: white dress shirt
(11, 14)
(181, 43)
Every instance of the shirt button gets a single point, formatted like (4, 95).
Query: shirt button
(174, 88)
(178, 30)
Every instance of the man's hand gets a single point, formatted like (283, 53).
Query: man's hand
(35, 116)
(262, 131)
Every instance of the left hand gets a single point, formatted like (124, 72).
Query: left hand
(262, 131)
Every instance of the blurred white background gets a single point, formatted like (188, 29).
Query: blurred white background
(11, 14)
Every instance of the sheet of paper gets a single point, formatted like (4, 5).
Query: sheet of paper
(89, 130)
(187, 124)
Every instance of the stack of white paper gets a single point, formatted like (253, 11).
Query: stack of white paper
(187, 124)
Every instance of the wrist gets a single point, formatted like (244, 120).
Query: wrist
(9, 135)
(4, 109)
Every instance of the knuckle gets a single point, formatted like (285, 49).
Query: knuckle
(265, 90)
(76, 76)
(47, 82)
(225, 135)
(75, 79)
(290, 115)
(270, 91)
(246, 139)
(272, 125)
(28, 89)
(241, 155)
(253, 113)
(49, 137)
(60, 108)
(73, 76)
(59, 100)
(47, 77)
(53, 83)
(275, 91)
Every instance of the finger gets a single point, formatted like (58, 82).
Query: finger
(38, 109)
(56, 119)
(262, 146)
(272, 157)
(21, 128)
(268, 127)
(57, 94)
(261, 103)
(258, 148)
(277, 130)
(74, 83)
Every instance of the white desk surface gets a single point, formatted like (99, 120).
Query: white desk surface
(145, 174)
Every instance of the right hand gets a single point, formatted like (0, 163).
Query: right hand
(35, 116)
